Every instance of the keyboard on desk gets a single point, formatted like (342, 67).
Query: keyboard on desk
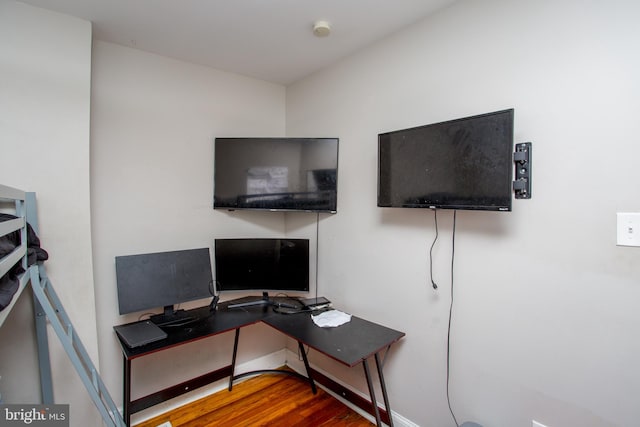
(178, 322)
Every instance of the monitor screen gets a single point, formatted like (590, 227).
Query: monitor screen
(153, 280)
(262, 264)
(290, 174)
(459, 164)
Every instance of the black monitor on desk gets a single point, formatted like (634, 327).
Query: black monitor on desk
(163, 279)
(264, 265)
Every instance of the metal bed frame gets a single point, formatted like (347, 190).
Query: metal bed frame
(48, 307)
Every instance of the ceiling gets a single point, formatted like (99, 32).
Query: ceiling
(270, 40)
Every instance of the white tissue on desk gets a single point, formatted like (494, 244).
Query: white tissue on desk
(331, 318)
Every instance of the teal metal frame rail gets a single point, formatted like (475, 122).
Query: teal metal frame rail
(48, 307)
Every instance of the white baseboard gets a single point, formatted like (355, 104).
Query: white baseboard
(294, 362)
(270, 361)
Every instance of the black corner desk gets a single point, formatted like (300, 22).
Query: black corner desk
(350, 344)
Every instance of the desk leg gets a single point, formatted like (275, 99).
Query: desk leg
(306, 365)
(233, 358)
(384, 390)
(126, 392)
(372, 393)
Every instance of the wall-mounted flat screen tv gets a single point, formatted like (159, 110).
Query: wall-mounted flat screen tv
(288, 174)
(465, 163)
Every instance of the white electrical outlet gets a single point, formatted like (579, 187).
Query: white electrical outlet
(534, 423)
(628, 229)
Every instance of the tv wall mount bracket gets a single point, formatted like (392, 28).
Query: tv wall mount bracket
(522, 160)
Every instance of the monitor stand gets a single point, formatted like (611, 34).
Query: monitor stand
(171, 317)
(265, 301)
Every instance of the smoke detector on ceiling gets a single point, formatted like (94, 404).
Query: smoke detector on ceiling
(321, 29)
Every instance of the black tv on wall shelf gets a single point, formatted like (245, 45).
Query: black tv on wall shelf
(278, 174)
(465, 163)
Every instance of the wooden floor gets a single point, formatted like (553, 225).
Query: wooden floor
(265, 400)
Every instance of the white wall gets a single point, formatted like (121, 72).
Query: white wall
(154, 120)
(545, 324)
(45, 75)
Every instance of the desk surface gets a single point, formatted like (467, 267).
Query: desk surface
(208, 324)
(349, 344)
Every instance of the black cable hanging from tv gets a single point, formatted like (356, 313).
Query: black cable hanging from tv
(435, 219)
(453, 252)
(317, 248)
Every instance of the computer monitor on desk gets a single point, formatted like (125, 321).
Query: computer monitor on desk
(162, 279)
(278, 265)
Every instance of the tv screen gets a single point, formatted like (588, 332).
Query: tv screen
(458, 164)
(289, 174)
(262, 264)
(153, 280)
